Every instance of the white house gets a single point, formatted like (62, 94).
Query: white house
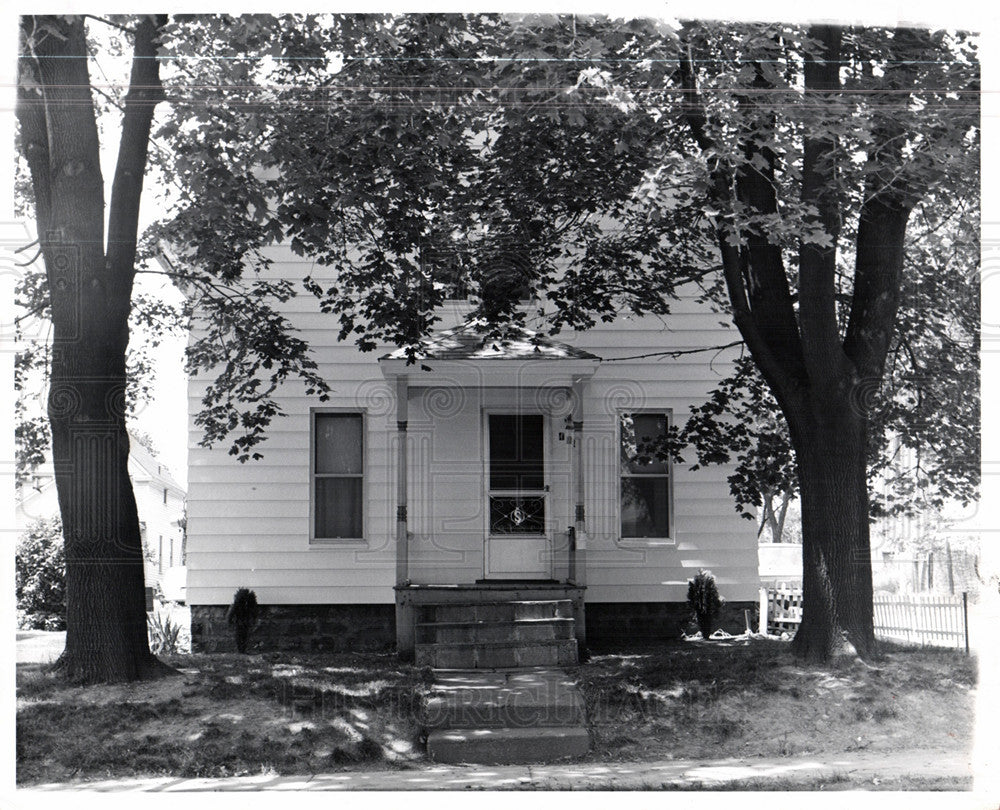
(159, 501)
(488, 473)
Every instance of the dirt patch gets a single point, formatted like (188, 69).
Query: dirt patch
(221, 715)
(227, 715)
(747, 699)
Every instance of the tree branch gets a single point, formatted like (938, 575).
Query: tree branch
(110, 23)
(145, 91)
(32, 129)
(781, 380)
(878, 267)
(818, 263)
(693, 109)
(30, 261)
(767, 287)
(68, 182)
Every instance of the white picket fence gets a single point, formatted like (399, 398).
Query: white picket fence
(780, 609)
(930, 621)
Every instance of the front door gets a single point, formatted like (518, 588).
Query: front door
(517, 541)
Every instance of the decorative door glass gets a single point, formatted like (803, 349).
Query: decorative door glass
(516, 474)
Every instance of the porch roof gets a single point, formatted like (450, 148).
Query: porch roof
(463, 355)
(466, 342)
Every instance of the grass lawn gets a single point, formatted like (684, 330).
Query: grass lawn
(748, 699)
(223, 715)
(227, 715)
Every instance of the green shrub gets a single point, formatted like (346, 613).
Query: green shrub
(40, 577)
(164, 634)
(242, 615)
(704, 599)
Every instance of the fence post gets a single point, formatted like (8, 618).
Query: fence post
(762, 611)
(965, 618)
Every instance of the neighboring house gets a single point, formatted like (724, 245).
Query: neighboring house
(159, 501)
(780, 564)
(487, 472)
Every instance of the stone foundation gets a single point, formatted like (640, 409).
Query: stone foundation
(299, 628)
(610, 624)
(340, 628)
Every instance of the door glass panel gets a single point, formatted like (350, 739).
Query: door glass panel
(515, 515)
(516, 452)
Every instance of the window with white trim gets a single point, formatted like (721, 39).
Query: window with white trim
(338, 476)
(645, 491)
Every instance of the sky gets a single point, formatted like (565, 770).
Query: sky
(165, 418)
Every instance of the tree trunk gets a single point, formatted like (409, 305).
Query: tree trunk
(836, 550)
(90, 295)
(106, 637)
(779, 534)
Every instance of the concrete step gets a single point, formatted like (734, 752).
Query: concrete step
(507, 746)
(539, 698)
(495, 611)
(479, 632)
(498, 655)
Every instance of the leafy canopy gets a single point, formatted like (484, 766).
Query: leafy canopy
(552, 159)
(549, 157)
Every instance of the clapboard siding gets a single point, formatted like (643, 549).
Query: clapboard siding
(311, 577)
(248, 524)
(232, 540)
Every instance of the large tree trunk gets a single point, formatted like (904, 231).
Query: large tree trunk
(106, 636)
(90, 292)
(836, 552)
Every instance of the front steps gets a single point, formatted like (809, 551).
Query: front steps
(498, 695)
(494, 635)
(508, 717)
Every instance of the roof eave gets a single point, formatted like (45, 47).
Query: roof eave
(491, 371)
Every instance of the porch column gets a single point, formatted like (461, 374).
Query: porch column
(402, 535)
(578, 543)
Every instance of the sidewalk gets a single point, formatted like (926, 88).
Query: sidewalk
(863, 766)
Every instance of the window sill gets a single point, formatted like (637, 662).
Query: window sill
(338, 542)
(645, 542)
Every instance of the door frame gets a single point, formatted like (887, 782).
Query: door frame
(546, 537)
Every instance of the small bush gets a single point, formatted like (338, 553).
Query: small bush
(243, 614)
(704, 599)
(40, 577)
(164, 634)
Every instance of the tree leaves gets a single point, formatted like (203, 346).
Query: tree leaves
(502, 157)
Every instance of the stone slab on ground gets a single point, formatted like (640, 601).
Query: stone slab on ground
(505, 717)
(508, 745)
(498, 654)
(512, 699)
